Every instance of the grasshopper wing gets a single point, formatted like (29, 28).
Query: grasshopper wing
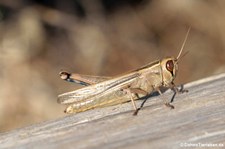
(96, 89)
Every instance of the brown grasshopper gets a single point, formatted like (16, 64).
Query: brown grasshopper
(108, 91)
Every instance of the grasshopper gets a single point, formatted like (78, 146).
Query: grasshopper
(108, 91)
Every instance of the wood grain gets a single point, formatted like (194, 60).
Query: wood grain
(198, 119)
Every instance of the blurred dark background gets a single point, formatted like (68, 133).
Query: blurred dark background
(40, 38)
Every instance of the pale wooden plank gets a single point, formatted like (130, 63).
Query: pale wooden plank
(198, 117)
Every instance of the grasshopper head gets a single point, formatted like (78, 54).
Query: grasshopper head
(169, 70)
(170, 65)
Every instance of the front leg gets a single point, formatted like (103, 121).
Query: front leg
(135, 91)
(168, 104)
(176, 90)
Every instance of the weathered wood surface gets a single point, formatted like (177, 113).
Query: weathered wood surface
(198, 119)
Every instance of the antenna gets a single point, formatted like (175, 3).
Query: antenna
(185, 39)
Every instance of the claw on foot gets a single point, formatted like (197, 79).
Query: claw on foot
(169, 105)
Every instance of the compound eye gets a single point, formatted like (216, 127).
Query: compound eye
(169, 65)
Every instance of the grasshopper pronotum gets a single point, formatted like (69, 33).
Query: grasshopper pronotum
(107, 91)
